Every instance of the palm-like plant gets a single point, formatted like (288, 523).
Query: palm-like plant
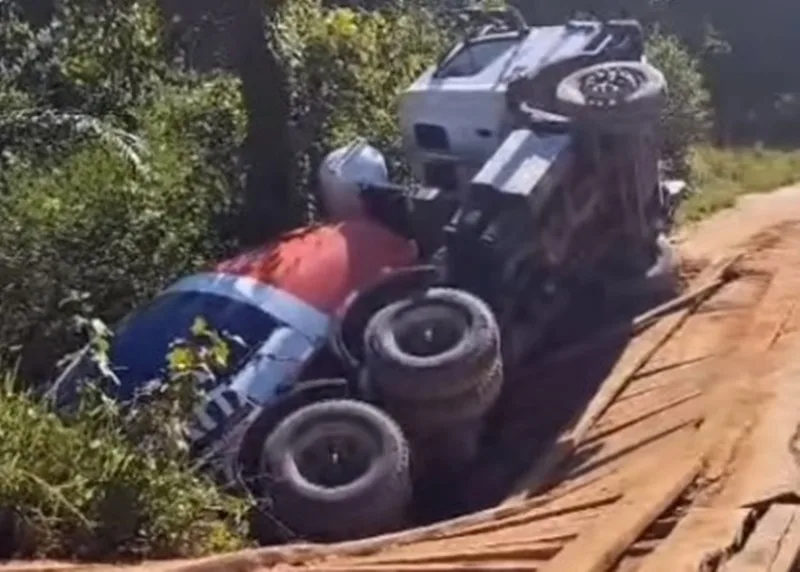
(43, 130)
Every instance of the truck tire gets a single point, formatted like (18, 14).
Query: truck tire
(427, 416)
(613, 95)
(340, 470)
(442, 344)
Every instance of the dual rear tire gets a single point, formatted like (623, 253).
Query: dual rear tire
(336, 470)
(340, 468)
(434, 360)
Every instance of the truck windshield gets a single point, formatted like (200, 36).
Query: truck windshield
(471, 59)
(142, 341)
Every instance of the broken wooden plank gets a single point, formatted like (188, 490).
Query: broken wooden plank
(605, 497)
(605, 541)
(774, 544)
(685, 299)
(615, 383)
(700, 540)
(620, 379)
(311, 555)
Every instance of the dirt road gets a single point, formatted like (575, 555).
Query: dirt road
(685, 459)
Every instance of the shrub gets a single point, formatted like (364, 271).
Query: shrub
(118, 171)
(82, 490)
(91, 223)
(346, 69)
(99, 57)
(106, 481)
(686, 117)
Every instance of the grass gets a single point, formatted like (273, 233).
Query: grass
(723, 175)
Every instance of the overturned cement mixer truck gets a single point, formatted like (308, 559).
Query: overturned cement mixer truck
(537, 160)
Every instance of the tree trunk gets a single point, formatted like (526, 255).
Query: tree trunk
(233, 35)
(269, 205)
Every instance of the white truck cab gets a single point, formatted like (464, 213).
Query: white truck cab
(457, 113)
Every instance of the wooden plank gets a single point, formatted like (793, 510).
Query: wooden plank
(451, 553)
(555, 511)
(604, 542)
(486, 567)
(774, 544)
(765, 374)
(48, 566)
(704, 536)
(620, 377)
(773, 446)
(788, 557)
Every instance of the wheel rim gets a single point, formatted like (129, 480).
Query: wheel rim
(608, 86)
(334, 457)
(429, 330)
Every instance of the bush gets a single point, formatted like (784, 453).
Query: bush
(346, 69)
(83, 491)
(107, 482)
(92, 223)
(100, 57)
(119, 173)
(686, 119)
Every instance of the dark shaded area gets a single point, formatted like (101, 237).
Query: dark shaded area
(38, 12)
(9, 541)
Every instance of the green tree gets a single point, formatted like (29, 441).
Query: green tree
(686, 118)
